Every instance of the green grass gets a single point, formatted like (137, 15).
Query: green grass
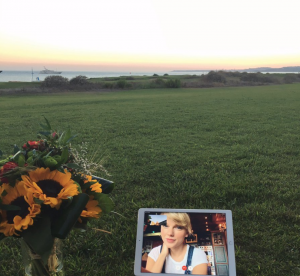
(20, 85)
(225, 148)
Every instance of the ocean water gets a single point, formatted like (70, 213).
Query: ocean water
(29, 76)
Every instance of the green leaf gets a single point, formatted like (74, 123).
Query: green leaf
(60, 137)
(48, 124)
(66, 137)
(104, 202)
(3, 161)
(16, 156)
(48, 154)
(39, 238)
(78, 187)
(69, 140)
(64, 156)
(7, 207)
(21, 160)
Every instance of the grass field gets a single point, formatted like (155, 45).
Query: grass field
(18, 85)
(218, 148)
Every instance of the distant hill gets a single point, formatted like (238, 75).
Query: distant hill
(191, 70)
(289, 69)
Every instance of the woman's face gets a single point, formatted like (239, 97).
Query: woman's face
(172, 234)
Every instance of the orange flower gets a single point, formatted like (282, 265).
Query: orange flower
(92, 210)
(18, 220)
(96, 187)
(50, 186)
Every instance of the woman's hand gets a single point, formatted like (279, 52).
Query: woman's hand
(156, 266)
(165, 250)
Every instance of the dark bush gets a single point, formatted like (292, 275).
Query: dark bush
(151, 85)
(55, 82)
(213, 76)
(111, 78)
(155, 75)
(121, 83)
(191, 76)
(258, 77)
(160, 81)
(233, 74)
(156, 83)
(290, 78)
(252, 77)
(79, 80)
(173, 83)
(268, 79)
(109, 85)
(166, 74)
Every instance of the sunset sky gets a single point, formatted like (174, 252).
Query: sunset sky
(136, 35)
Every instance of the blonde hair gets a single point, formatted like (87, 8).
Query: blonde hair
(181, 219)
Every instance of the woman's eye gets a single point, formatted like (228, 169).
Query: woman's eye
(179, 227)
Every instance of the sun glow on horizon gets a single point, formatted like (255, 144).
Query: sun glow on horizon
(166, 35)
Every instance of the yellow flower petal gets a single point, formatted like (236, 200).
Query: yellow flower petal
(96, 187)
(91, 209)
(18, 195)
(51, 186)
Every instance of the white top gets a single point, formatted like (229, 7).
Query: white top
(171, 266)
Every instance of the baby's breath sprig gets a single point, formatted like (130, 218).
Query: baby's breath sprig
(89, 163)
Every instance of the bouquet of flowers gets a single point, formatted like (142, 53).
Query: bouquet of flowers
(46, 189)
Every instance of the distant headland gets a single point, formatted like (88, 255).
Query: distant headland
(289, 69)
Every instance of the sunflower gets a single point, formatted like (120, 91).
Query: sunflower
(18, 220)
(50, 186)
(91, 210)
(96, 187)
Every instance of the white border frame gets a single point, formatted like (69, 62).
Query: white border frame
(139, 238)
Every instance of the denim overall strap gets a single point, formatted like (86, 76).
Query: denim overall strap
(189, 259)
(163, 268)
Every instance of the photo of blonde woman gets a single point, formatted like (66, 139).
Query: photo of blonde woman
(174, 255)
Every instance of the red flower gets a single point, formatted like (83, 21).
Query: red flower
(6, 168)
(33, 145)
